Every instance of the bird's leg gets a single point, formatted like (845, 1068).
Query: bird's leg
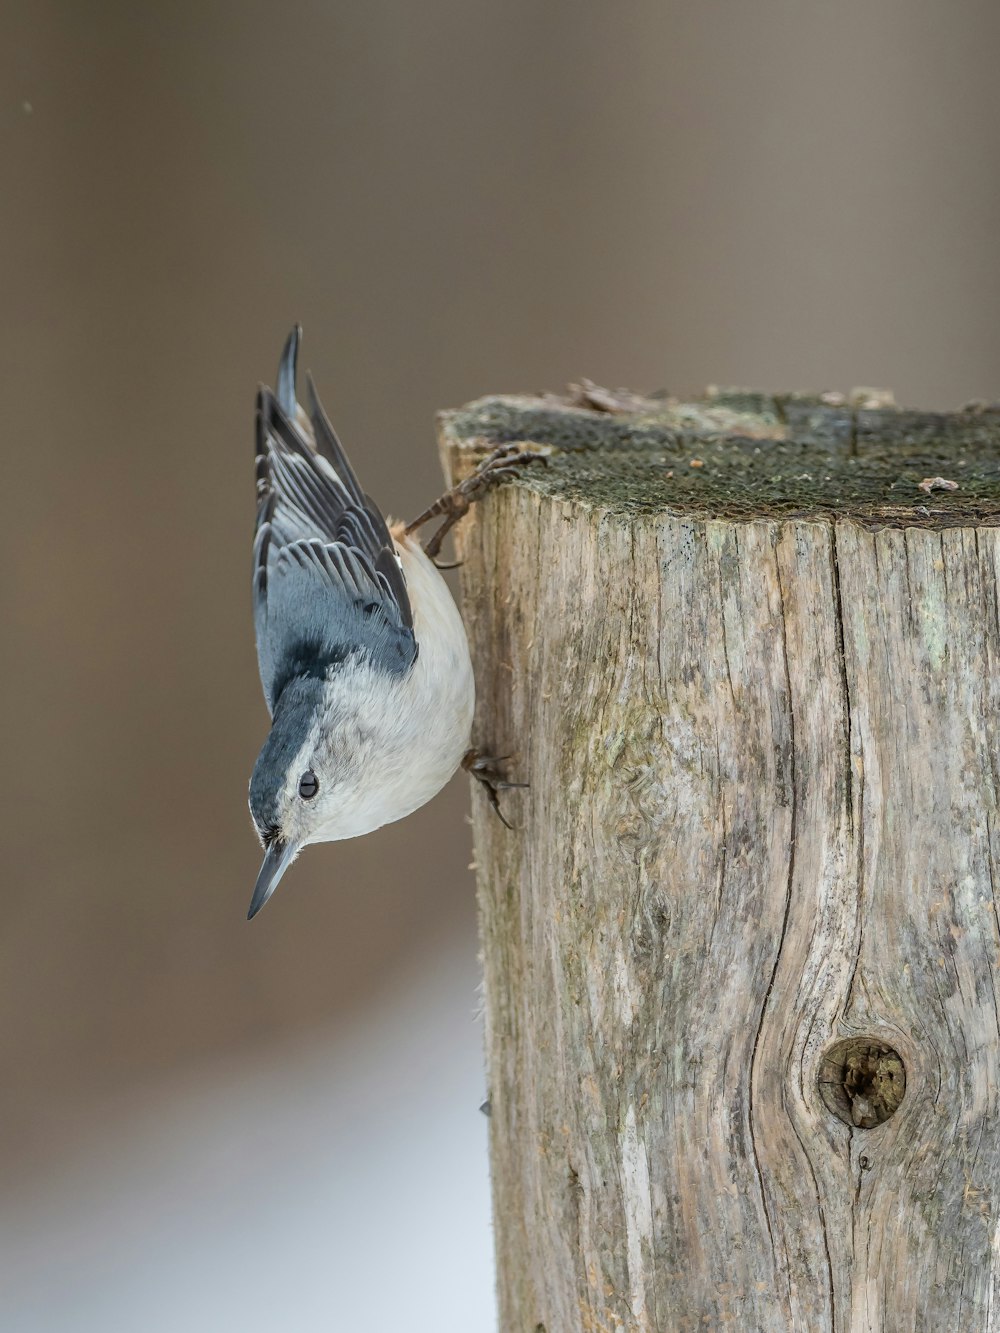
(483, 767)
(455, 503)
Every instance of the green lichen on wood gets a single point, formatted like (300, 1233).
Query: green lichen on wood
(745, 455)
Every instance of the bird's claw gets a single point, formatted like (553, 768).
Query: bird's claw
(484, 768)
(504, 461)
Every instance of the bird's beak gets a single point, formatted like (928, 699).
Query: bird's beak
(278, 857)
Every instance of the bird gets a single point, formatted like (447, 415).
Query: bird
(362, 652)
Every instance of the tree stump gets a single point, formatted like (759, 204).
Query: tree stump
(741, 946)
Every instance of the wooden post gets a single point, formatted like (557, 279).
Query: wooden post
(741, 948)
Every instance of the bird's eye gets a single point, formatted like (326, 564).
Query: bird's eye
(308, 785)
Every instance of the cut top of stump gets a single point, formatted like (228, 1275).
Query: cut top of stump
(739, 454)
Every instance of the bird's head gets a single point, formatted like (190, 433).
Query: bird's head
(323, 772)
(292, 784)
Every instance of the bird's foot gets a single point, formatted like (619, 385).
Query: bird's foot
(455, 503)
(484, 768)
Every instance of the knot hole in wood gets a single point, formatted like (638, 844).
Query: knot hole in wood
(862, 1081)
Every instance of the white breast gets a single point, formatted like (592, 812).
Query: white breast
(441, 689)
(413, 731)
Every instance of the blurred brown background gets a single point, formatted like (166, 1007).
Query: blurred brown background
(454, 198)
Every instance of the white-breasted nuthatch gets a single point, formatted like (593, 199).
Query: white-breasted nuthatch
(362, 652)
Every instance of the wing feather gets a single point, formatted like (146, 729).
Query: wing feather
(327, 582)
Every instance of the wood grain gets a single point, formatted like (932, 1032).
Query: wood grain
(762, 818)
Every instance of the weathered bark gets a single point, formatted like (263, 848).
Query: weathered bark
(755, 701)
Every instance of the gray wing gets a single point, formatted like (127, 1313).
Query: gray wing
(327, 582)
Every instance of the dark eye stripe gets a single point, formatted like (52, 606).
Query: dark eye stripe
(308, 785)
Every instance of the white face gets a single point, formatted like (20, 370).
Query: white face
(293, 790)
(334, 787)
(370, 756)
(364, 749)
(386, 744)
(322, 794)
